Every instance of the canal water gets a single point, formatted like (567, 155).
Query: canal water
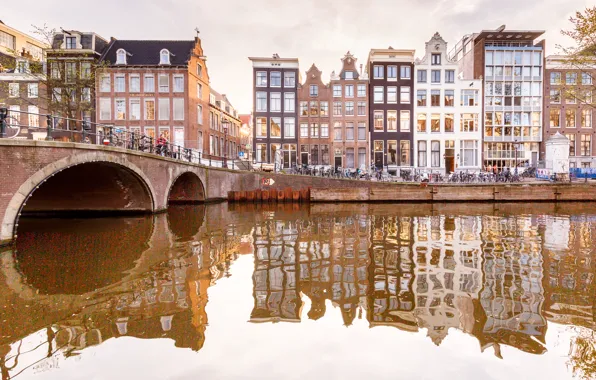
(476, 291)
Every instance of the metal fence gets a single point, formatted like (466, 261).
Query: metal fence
(60, 128)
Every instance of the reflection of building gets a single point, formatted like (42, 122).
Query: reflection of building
(448, 259)
(513, 294)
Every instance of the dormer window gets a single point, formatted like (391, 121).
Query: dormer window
(121, 57)
(164, 57)
(349, 75)
(71, 42)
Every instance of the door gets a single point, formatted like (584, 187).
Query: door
(304, 158)
(379, 159)
(337, 162)
(449, 164)
(534, 158)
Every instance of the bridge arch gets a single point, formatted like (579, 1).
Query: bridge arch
(186, 188)
(71, 174)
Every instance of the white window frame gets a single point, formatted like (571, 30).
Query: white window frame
(175, 88)
(164, 57)
(121, 57)
(145, 78)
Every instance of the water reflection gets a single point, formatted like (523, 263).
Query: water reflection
(497, 273)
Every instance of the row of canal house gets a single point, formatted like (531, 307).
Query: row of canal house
(480, 105)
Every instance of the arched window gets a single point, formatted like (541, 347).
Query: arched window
(164, 57)
(121, 57)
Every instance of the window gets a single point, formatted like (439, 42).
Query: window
(435, 76)
(275, 102)
(337, 109)
(555, 96)
(135, 83)
(164, 83)
(587, 118)
(586, 78)
(261, 79)
(325, 130)
(289, 127)
(449, 76)
(469, 98)
(149, 83)
(435, 98)
(149, 109)
(379, 121)
(421, 123)
(378, 72)
(303, 108)
(435, 59)
(449, 98)
(178, 83)
(571, 78)
(314, 90)
(391, 94)
(120, 107)
(349, 91)
(85, 70)
(164, 57)
(261, 123)
(164, 109)
(421, 98)
(361, 90)
(378, 94)
(435, 154)
(33, 116)
(135, 109)
(361, 108)
(33, 90)
(468, 153)
(71, 42)
(199, 91)
(348, 75)
(350, 131)
(178, 104)
(261, 105)
(469, 122)
(435, 122)
(275, 127)
(337, 135)
(303, 129)
(361, 131)
(570, 118)
(585, 147)
(421, 76)
(404, 125)
(570, 97)
(86, 94)
(314, 108)
(105, 109)
(324, 108)
(289, 79)
(337, 90)
(13, 90)
(275, 79)
(421, 154)
(571, 138)
(55, 70)
(70, 71)
(555, 78)
(391, 152)
(349, 108)
(121, 57)
(449, 122)
(7, 40)
(405, 72)
(404, 149)
(289, 102)
(404, 96)
(391, 121)
(200, 114)
(119, 83)
(199, 70)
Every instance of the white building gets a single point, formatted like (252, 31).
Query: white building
(448, 109)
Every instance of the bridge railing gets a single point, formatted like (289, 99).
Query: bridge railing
(59, 128)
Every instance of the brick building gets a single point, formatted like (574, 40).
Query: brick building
(224, 127)
(569, 108)
(246, 133)
(156, 87)
(349, 116)
(313, 118)
(22, 87)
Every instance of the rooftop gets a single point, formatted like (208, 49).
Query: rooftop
(146, 52)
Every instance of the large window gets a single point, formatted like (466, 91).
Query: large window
(303, 108)
(275, 79)
(275, 130)
(289, 127)
(585, 147)
(261, 152)
(404, 125)
(378, 72)
(469, 98)
(71, 42)
(314, 108)
(571, 138)
(349, 108)
(289, 102)
(314, 130)
(391, 94)
(178, 106)
(421, 123)
(289, 79)
(164, 83)
(379, 121)
(105, 109)
(555, 78)
(587, 118)
(164, 109)
(449, 122)
(391, 121)
(391, 152)
(349, 91)
(468, 153)
(421, 154)
(350, 131)
(435, 122)
(149, 84)
(337, 108)
(337, 131)
(435, 59)
(13, 90)
(120, 107)
(555, 96)
(337, 90)
(361, 90)
(314, 90)
(586, 78)
(469, 122)
(378, 94)
(435, 76)
(135, 108)
(178, 83)
(361, 108)
(449, 98)
(261, 105)
(435, 154)
(570, 118)
(275, 102)
(421, 76)
(33, 90)
(555, 118)
(435, 98)
(392, 73)
(404, 95)
(421, 98)
(324, 108)
(571, 78)
(303, 129)
(261, 79)
(324, 130)
(149, 109)
(361, 131)
(404, 150)
(7, 40)
(449, 76)
(405, 72)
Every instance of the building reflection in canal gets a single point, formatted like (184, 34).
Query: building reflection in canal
(497, 274)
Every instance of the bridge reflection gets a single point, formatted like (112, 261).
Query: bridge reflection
(497, 274)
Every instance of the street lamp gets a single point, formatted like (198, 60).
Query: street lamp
(225, 123)
(3, 116)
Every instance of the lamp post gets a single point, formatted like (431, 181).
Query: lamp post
(3, 116)
(225, 123)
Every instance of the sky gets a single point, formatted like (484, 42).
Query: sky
(314, 31)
